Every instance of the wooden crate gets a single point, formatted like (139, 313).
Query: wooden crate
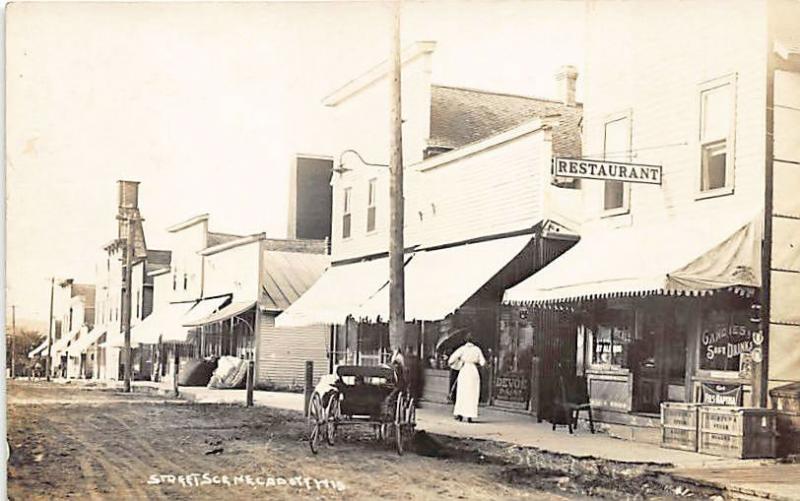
(736, 432)
(679, 426)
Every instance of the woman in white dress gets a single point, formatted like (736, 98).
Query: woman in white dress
(466, 360)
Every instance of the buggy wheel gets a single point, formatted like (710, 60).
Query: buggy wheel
(332, 419)
(316, 415)
(400, 423)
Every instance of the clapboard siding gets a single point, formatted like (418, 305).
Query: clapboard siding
(657, 81)
(283, 353)
(784, 333)
(494, 190)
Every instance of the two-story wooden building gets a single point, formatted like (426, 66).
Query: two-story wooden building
(685, 290)
(480, 213)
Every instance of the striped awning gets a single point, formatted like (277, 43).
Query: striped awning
(672, 258)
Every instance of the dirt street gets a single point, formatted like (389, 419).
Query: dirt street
(69, 441)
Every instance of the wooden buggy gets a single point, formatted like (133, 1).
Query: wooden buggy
(374, 395)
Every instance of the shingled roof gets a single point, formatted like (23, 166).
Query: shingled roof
(460, 116)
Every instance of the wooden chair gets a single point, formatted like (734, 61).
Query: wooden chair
(572, 398)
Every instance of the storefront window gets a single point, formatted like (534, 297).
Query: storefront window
(726, 340)
(613, 338)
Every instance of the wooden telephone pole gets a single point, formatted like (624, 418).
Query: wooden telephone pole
(49, 331)
(131, 220)
(397, 315)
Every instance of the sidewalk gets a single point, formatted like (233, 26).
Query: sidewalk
(753, 479)
(517, 429)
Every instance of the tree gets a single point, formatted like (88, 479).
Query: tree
(25, 341)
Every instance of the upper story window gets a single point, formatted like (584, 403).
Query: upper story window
(616, 146)
(371, 195)
(716, 135)
(185, 281)
(175, 279)
(139, 304)
(70, 320)
(346, 215)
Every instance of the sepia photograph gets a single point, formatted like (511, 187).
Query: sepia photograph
(402, 249)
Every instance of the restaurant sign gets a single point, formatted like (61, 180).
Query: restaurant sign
(606, 170)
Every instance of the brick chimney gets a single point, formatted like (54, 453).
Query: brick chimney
(565, 83)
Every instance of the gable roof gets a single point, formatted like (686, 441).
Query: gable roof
(460, 116)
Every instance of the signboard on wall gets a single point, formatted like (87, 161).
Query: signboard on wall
(722, 394)
(512, 387)
(606, 170)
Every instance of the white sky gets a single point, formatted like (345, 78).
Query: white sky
(205, 103)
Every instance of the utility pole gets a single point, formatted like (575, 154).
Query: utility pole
(126, 299)
(49, 330)
(13, 335)
(397, 309)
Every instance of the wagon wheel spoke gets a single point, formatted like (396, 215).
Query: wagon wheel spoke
(315, 417)
(332, 422)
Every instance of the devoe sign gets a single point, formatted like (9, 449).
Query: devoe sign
(606, 170)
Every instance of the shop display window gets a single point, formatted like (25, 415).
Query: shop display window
(613, 338)
(726, 340)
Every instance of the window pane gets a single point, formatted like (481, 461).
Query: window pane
(714, 166)
(371, 197)
(616, 145)
(725, 337)
(370, 218)
(613, 195)
(716, 113)
(346, 226)
(346, 204)
(613, 338)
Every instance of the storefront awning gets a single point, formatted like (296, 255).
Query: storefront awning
(164, 323)
(675, 257)
(438, 282)
(337, 294)
(64, 342)
(224, 313)
(203, 309)
(83, 343)
(39, 350)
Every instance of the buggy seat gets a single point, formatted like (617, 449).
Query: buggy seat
(368, 394)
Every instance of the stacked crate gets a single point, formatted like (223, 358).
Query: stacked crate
(736, 432)
(679, 426)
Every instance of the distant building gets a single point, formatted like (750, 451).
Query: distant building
(219, 297)
(102, 347)
(310, 198)
(73, 318)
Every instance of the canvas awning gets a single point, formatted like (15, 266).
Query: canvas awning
(337, 294)
(64, 342)
(38, 350)
(165, 323)
(438, 282)
(674, 257)
(203, 309)
(232, 310)
(84, 342)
